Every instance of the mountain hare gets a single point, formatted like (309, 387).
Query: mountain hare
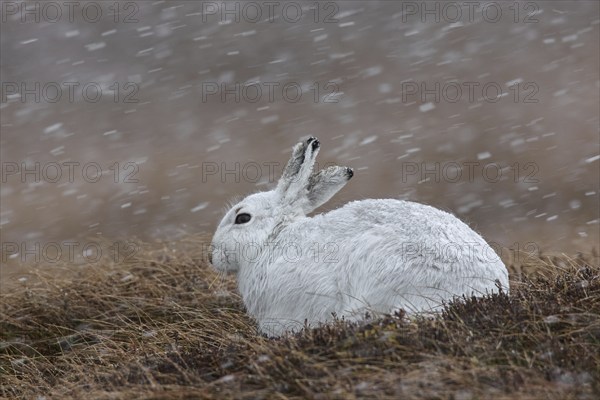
(368, 256)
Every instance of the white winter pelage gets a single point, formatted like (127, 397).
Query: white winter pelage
(372, 256)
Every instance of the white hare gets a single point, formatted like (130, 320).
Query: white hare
(372, 256)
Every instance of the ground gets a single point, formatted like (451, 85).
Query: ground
(164, 325)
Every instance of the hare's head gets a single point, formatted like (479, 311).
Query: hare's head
(257, 220)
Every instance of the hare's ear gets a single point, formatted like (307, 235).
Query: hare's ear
(324, 184)
(295, 179)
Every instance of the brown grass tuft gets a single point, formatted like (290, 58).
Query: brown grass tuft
(166, 326)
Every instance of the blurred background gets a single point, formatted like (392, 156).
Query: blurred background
(169, 109)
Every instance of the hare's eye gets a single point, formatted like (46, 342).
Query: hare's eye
(242, 218)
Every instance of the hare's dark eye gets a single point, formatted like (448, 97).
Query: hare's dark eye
(242, 218)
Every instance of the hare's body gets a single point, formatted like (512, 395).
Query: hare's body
(372, 256)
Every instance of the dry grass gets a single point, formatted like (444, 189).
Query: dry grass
(165, 326)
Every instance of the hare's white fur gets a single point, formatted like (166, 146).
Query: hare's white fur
(368, 256)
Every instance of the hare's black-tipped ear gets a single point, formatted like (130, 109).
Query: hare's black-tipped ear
(324, 184)
(295, 179)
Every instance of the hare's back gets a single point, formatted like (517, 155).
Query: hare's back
(405, 219)
(393, 245)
